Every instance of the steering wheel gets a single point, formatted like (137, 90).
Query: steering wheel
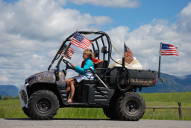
(68, 64)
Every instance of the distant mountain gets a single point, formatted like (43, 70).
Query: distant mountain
(171, 83)
(8, 90)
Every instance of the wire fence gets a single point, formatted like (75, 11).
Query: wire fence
(169, 112)
(11, 108)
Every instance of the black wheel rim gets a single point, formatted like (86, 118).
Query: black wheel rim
(43, 105)
(132, 107)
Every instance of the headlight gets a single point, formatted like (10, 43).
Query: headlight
(26, 84)
(23, 96)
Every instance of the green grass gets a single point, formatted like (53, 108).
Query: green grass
(167, 99)
(10, 108)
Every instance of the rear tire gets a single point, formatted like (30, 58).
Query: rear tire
(110, 111)
(130, 106)
(43, 105)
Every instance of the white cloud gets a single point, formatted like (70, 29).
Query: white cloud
(3, 78)
(184, 24)
(44, 19)
(145, 41)
(186, 11)
(20, 57)
(30, 33)
(109, 3)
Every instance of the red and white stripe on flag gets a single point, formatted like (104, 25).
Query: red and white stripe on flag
(168, 50)
(69, 53)
(80, 41)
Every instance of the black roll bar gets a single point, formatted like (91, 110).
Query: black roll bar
(100, 33)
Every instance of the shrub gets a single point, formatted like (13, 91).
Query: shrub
(7, 97)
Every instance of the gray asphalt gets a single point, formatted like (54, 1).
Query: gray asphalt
(80, 123)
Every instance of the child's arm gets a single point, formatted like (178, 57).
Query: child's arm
(87, 66)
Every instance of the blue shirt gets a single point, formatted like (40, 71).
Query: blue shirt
(87, 64)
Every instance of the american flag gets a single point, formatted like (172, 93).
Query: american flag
(68, 54)
(80, 40)
(168, 50)
(126, 48)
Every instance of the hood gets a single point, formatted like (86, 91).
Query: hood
(41, 77)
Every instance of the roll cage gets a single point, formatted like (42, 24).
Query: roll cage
(101, 46)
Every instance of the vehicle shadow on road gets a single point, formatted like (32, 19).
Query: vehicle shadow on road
(77, 119)
(54, 119)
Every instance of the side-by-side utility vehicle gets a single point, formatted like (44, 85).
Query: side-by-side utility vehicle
(113, 89)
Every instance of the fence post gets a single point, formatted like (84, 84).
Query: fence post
(153, 113)
(180, 110)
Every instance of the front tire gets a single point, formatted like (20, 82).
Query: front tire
(26, 111)
(43, 105)
(130, 106)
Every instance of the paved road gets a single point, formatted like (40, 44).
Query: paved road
(78, 123)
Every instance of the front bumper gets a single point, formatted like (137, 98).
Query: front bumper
(23, 96)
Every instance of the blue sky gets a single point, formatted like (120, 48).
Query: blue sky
(33, 29)
(135, 17)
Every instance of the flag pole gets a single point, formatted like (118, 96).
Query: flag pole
(123, 58)
(159, 61)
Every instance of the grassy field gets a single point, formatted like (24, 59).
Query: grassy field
(167, 99)
(10, 108)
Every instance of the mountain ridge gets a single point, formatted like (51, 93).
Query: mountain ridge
(8, 90)
(169, 83)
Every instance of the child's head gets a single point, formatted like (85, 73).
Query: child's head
(87, 54)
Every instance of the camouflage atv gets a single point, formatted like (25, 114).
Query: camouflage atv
(113, 89)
